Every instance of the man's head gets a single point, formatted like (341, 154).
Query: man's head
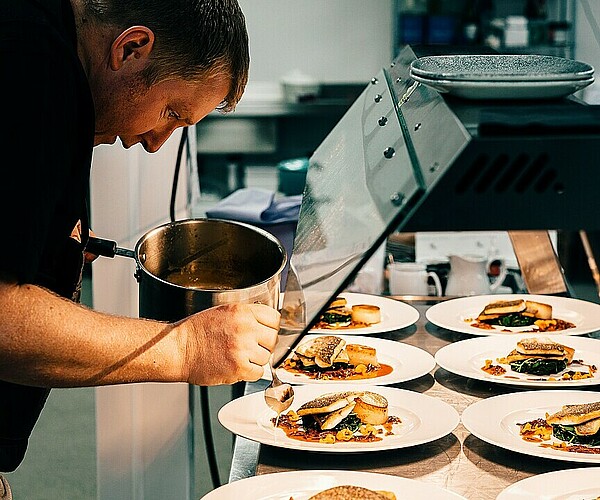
(141, 55)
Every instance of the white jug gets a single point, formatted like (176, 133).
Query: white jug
(469, 276)
(410, 278)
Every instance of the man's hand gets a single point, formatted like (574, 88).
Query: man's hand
(228, 343)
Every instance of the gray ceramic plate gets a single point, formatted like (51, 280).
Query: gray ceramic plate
(534, 89)
(500, 68)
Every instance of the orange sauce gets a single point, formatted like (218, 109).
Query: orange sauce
(294, 430)
(557, 326)
(574, 448)
(322, 325)
(495, 370)
(343, 373)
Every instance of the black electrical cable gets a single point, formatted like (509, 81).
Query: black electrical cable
(211, 453)
(182, 141)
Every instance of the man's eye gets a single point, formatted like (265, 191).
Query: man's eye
(174, 115)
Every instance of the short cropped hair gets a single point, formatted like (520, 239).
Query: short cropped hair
(193, 38)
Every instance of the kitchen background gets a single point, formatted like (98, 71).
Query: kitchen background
(125, 442)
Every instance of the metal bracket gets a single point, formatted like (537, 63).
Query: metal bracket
(539, 264)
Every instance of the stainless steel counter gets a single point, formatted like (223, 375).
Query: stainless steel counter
(458, 462)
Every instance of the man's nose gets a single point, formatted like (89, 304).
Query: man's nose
(154, 141)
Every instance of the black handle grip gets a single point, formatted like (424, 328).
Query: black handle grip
(100, 246)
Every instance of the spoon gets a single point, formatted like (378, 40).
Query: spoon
(278, 395)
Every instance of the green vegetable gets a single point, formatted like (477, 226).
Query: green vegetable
(332, 318)
(351, 422)
(538, 366)
(567, 433)
(514, 319)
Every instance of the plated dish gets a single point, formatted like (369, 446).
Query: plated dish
(570, 484)
(532, 89)
(398, 362)
(498, 420)
(417, 419)
(469, 357)
(459, 314)
(394, 315)
(301, 485)
(502, 67)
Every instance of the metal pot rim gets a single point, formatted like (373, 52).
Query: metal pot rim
(183, 222)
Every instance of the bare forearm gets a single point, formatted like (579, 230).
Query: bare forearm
(49, 341)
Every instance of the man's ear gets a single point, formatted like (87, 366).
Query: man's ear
(134, 43)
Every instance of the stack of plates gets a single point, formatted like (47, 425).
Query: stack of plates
(502, 76)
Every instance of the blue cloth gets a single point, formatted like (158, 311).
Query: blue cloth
(257, 206)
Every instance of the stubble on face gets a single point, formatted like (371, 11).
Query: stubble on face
(114, 109)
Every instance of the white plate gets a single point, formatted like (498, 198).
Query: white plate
(424, 419)
(494, 420)
(503, 67)
(466, 358)
(395, 315)
(301, 485)
(454, 314)
(551, 89)
(407, 362)
(570, 484)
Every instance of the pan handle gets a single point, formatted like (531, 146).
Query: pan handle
(107, 248)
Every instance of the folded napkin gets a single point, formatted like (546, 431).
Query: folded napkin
(257, 206)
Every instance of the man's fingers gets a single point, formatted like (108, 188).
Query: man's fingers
(261, 356)
(254, 373)
(266, 315)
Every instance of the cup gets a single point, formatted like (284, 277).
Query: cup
(411, 278)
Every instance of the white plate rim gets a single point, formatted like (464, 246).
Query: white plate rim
(388, 307)
(438, 314)
(560, 482)
(486, 75)
(484, 420)
(455, 358)
(323, 479)
(388, 351)
(505, 90)
(437, 419)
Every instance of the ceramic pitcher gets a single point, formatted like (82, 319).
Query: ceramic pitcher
(469, 276)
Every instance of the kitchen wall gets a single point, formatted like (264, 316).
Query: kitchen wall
(333, 41)
(587, 42)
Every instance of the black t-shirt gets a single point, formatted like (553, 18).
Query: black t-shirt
(46, 143)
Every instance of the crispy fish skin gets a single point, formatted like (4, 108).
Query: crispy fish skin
(544, 348)
(530, 308)
(323, 350)
(504, 307)
(338, 303)
(515, 355)
(349, 492)
(575, 414)
(328, 402)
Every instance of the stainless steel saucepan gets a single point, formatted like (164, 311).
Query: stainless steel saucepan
(189, 265)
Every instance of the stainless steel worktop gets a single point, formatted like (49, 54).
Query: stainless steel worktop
(458, 462)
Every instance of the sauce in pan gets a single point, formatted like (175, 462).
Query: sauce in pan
(206, 279)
